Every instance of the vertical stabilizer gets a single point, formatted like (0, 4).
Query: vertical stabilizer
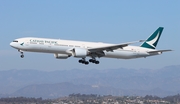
(152, 41)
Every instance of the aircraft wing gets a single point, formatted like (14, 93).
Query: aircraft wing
(112, 47)
(159, 51)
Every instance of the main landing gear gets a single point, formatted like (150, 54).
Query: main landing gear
(83, 61)
(94, 61)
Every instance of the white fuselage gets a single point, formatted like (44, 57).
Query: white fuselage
(58, 46)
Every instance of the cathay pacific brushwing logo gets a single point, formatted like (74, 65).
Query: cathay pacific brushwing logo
(151, 42)
(22, 44)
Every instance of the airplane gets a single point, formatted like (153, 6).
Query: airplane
(63, 49)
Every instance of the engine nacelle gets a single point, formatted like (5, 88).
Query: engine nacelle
(80, 52)
(61, 56)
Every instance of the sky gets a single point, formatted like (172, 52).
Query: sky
(109, 21)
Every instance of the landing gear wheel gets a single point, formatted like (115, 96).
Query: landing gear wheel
(22, 56)
(80, 61)
(83, 61)
(90, 60)
(96, 62)
(93, 61)
(86, 63)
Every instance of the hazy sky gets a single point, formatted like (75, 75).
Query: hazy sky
(111, 21)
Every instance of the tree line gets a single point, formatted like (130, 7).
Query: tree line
(27, 100)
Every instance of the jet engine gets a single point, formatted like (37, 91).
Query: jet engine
(80, 52)
(61, 56)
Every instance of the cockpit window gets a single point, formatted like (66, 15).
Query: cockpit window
(15, 41)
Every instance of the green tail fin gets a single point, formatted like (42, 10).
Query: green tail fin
(152, 41)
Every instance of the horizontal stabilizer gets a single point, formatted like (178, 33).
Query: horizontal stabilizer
(159, 51)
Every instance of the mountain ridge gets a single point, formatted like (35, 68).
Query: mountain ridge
(167, 79)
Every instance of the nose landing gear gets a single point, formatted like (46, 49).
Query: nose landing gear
(22, 55)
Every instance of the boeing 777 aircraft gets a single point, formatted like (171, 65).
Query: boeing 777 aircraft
(62, 49)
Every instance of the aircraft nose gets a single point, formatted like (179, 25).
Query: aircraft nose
(12, 44)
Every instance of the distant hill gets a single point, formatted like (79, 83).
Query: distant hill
(60, 90)
(121, 81)
(64, 89)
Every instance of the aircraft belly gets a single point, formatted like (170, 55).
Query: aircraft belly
(121, 54)
(125, 54)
